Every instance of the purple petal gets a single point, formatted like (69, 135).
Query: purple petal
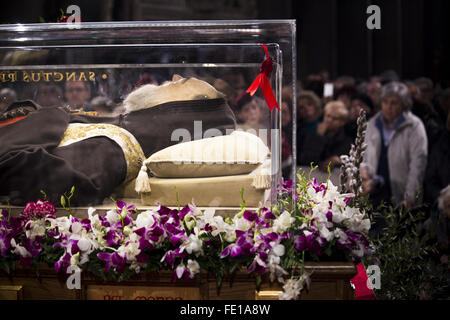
(175, 239)
(250, 215)
(329, 215)
(273, 236)
(225, 252)
(142, 258)
(263, 255)
(140, 232)
(127, 220)
(269, 215)
(184, 212)
(235, 251)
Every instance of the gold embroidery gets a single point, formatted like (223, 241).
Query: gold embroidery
(131, 148)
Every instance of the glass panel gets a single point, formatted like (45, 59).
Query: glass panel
(94, 68)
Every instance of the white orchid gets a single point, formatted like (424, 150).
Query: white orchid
(145, 219)
(283, 222)
(193, 268)
(112, 216)
(192, 244)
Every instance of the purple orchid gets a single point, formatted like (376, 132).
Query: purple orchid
(63, 263)
(250, 215)
(268, 215)
(233, 250)
(258, 264)
(113, 260)
(113, 238)
(311, 242)
(121, 205)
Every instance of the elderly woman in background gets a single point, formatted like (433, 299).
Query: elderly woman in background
(397, 146)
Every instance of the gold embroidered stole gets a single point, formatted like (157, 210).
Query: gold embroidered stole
(134, 156)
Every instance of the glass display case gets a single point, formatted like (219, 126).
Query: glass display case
(155, 112)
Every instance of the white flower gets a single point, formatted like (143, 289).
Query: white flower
(91, 211)
(337, 216)
(320, 210)
(207, 216)
(37, 228)
(293, 287)
(193, 268)
(112, 216)
(283, 222)
(131, 250)
(96, 224)
(196, 211)
(325, 233)
(76, 227)
(180, 270)
(84, 244)
(192, 244)
(145, 219)
(220, 226)
(127, 231)
(242, 224)
(291, 290)
(355, 221)
(18, 249)
(341, 235)
(278, 249)
(99, 235)
(62, 223)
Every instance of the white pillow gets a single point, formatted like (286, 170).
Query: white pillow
(238, 153)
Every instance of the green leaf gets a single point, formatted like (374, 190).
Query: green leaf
(243, 203)
(258, 282)
(63, 201)
(5, 267)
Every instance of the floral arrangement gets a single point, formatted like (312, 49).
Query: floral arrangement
(311, 221)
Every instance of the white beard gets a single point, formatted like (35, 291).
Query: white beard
(150, 95)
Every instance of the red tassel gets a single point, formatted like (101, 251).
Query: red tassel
(262, 80)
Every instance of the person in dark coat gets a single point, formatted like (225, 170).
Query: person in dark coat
(359, 101)
(437, 175)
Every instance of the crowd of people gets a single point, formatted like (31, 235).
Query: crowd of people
(407, 157)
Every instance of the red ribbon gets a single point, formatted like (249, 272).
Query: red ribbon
(262, 80)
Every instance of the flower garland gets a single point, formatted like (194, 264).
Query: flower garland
(312, 221)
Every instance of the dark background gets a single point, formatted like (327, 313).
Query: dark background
(331, 34)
